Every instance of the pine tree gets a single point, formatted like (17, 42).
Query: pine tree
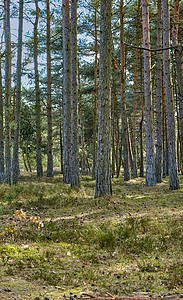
(15, 161)
(103, 166)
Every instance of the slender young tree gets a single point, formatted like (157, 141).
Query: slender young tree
(103, 167)
(38, 101)
(7, 178)
(66, 90)
(15, 161)
(1, 129)
(49, 101)
(75, 180)
(173, 173)
(124, 123)
(159, 144)
(150, 164)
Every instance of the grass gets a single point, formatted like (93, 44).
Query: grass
(130, 244)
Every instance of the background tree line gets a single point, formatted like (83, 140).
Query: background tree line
(92, 87)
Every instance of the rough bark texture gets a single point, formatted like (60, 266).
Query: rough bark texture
(159, 147)
(103, 167)
(95, 101)
(49, 102)
(1, 130)
(150, 164)
(75, 180)
(66, 91)
(7, 178)
(173, 174)
(134, 161)
(123, 104)
(179, 67)
(38, 104)
(15, 161)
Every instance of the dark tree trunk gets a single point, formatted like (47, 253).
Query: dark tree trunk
(75, 180)
(103, 167)
(66, 91)
(49, 102)
(173, 174)
(15, 162)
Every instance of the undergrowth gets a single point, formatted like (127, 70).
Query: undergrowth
(64, 239)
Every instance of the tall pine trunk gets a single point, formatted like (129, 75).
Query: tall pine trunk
(134, 146)
(173, 174)
(15, 161)
(179, 67)
(95, 101)
(38, 104)
(75, 180)
(1, 129)
(103, 167)
(66, 91)
(49, 102)
(123, 104)
(7, 178)
(150, 164)
(159, 145)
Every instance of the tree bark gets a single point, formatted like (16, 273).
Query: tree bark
(141, 121)
(75, 180)
(150, 165)
(158, 161)
(173, 174)
(49, 101)
(134, 146)
(95, 101)
(123, 104)
(15, 161)
(66, 91)
(103, 167)
(7, 178)
(179, 66)
(38, 105)
(1, 129)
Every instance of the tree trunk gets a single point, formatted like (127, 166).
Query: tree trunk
(173, 174)
(103, 167)
(7, 178)
(150, 165)
(159, 96)
(141, 121)
(66, 91)
(49, 102)
(179, 66)
(15, 161)
(38, 105)
(75, 180)
(134, 146)
(123, 104)
(95, 101)
(1, 129)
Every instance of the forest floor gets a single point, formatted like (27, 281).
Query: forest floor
(57, 242)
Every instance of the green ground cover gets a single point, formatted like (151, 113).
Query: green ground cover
(57, 241)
